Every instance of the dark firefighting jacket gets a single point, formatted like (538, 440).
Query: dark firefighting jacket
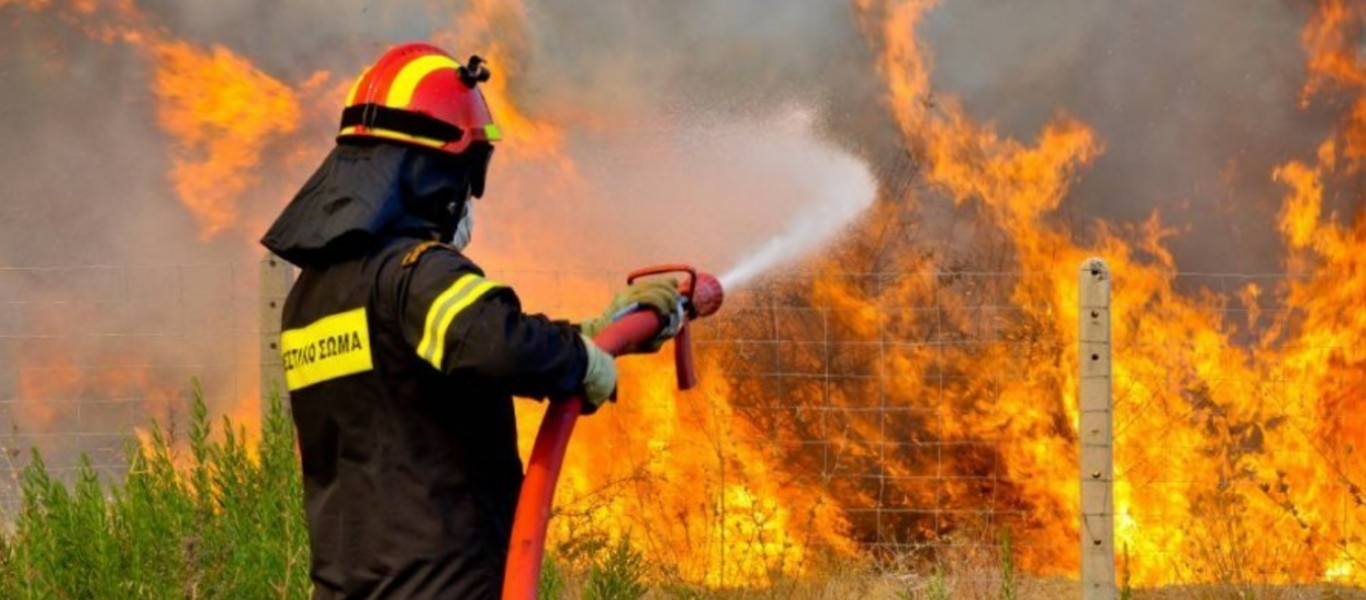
(401, 360)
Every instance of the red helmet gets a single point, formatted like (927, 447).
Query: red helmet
(417, 94)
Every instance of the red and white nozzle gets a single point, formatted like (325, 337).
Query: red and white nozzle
(702, 297)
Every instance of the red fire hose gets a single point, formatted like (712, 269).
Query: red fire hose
(702, 297)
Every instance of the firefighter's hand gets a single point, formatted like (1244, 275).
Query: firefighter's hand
(600, 379)
(660, 295)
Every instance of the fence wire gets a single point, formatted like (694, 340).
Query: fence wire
(930, 408)
(90, 354)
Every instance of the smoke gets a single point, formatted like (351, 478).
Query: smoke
(1196, 103)
(66, 145)
(293, 39)
(678, 132)
(681, 191)
(677, 139)
(837, 194)
(682, 129)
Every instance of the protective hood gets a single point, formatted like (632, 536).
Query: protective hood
(364, 195)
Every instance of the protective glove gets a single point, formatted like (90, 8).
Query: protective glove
(658, 294)
(600, 379)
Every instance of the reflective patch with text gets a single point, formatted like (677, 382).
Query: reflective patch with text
(331, 347)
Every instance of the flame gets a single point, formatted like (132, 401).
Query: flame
(1332, 39)
(701, 494)
(684, 476)
(1234, 460)
(1261, 424)
(222, 113)
(499, 29)
(223, 117)
(54, 387)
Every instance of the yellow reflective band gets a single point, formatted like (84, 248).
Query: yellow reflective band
(405, 84)
(394, 135)
(331, 347)
(443, 311)
(424, 348)
(492, 132)
(355, 87)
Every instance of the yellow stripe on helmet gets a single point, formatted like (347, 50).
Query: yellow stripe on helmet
(394, 135)
(355, 87)
(405, 84)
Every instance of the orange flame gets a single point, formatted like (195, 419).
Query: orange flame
(1261, 426)
(222, 113)
(498, 29)
(1234, 457)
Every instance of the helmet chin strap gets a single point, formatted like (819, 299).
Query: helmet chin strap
(464, 230)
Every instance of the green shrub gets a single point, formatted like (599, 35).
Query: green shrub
(619, 575)
(553, 585)
(225, 524)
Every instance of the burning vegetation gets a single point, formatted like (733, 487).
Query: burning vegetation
(900, 394)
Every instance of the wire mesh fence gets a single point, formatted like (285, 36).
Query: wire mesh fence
(873, 388)
(933, 413)
(89, 354)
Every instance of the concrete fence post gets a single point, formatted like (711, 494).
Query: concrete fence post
(276, 278)
(1097, 441)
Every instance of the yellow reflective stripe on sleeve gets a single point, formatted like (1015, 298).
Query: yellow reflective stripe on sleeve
(443, 311)
(475, 294)
(405, 84)
(331, 347)
(424, 348)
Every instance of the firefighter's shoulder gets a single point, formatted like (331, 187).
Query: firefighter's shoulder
(419, 250)
(433, 257)
(440, 294)
(433, 270)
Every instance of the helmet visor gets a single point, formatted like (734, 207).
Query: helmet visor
(479, 156)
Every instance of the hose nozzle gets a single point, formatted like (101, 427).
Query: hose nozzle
(703, 296)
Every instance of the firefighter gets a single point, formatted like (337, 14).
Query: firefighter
(401, 358)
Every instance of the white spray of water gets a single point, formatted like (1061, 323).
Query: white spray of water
(736, 193)
(841, 188)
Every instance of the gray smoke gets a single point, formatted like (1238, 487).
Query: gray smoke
(1195, 102)
(85, 169)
